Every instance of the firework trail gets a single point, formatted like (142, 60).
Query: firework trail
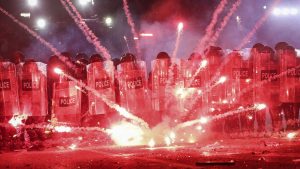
(125, 39)
(244, 91)
(258, 24)
(121, 110)
(246, 39)
(256, 85)
(179, 32)
(239, 110)
(204, 120)
(38, 37)
(85, 29)
(210, 27)
(132, 26)
(225, 21)
(209, 30)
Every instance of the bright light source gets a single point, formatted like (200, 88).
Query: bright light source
(294, 11)
(199, 128)
(222, 79)
(32, 3)
(84, 2)
(72, 146)
(77, 87)
(285, 11)
(265, 7)
(135, 38)
(146, 34)
(225, 101)
(41, 23)
(167, 141)
(180, 26)
(179, 91)
(126, 134)
(238, 19)
(276, 11)
(203, 63)
(151, 143)
(62, 129)
(172, 135)
(261, 106)
(17, 120)
(298, 52)
(291, 135)
(58, 70)
(108, 21)
(203, 120)
(25, 15)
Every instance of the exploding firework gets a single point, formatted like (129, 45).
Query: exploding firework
(126, 134)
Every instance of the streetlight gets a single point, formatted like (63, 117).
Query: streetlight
(32, 3)
(108, 21)
(41, 23)
(285, 11)
(84, 2)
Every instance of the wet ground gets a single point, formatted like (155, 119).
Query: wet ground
(270, 152)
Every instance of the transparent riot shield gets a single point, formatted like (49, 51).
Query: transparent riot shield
(66, 102)
(236, 73)
(167, 88)
(9, 100)
(287, 81)
(132, 86)
(100, 76)
(216, 85)
(267, 85)
(33, 89)
(194, 74)
(297, 80)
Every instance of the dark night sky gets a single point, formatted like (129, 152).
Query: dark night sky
(149, 15)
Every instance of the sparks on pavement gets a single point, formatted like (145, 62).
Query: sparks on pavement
(17, 120)
(62, 129)
(151, 143)
(291, 135)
